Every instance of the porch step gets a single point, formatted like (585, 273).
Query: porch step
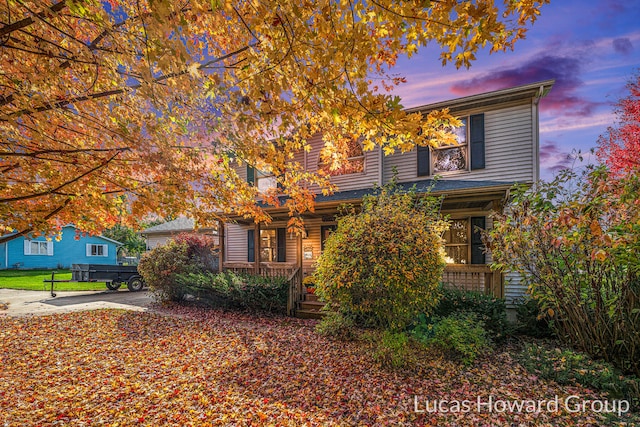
(309, 314)
(310, 297)
(311, 305)
(310, 308)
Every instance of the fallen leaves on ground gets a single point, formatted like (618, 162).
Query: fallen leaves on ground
(185, 366)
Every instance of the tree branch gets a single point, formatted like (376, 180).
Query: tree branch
(8, 29)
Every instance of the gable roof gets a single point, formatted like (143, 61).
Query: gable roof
(181, 224)
(14, 235)
(516, 93)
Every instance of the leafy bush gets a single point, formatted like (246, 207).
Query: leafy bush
(487, 308)
(460, 335)
(233, 290)
(383, 266)
(336, 325)
(390, 349)
(576, 241)
(570, 367)
(531, 321)
(186, 253)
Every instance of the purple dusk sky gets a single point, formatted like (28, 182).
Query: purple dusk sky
(591, 49)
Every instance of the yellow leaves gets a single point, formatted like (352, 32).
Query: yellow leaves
(238, 74)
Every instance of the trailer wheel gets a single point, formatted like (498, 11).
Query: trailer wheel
(135, 284)
(113, 285)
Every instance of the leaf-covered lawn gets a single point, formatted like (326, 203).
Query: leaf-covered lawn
(194, 367)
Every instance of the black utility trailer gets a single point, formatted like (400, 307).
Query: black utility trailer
(113, 275)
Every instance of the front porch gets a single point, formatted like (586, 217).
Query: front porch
(477, 278)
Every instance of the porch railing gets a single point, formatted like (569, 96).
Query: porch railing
(479, 278)
(268, 269)
(274, 269)
(295, 291)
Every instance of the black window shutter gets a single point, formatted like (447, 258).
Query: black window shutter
(251, 175)
(424, 161)
(251, 246)
(477, 141)
(281, 241)
(477, 247)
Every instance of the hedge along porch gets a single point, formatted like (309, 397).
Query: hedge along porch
(269, 250)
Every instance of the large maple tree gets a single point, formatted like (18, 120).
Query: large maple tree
(113, 110)
(619, 147)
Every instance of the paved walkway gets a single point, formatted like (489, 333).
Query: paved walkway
(39, 303)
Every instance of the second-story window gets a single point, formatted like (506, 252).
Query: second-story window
(354, 162)
(450, 158)
(467, 154)
(265, 181)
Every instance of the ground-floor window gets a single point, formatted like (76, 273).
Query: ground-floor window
(325, 231)
(463, 241)
(272, 245)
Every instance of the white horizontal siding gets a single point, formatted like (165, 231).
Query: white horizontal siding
(353, 181)
(236, 243)
(509, 150)
(514, 288)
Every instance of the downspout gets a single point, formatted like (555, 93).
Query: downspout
(536, 133)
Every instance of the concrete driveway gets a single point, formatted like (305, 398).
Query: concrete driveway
(38, 303)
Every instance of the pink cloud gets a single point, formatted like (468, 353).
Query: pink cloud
(553, 158)
(564, 70)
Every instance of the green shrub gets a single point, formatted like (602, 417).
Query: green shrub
(460, 335)
(576, 242)
(184, 254)
(391, 349)
(231, 290)
(531, 321)
(570, 367)
(382, 266)
(336, 325)
(487, 308)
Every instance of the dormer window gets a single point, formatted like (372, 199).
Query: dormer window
(354, 162)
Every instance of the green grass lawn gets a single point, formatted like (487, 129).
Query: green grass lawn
(33, 280)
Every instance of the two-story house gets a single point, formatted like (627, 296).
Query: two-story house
(498, 146)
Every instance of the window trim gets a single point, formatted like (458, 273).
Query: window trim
(475, 147)
(90, 246)
(47, 244)
(466, 145)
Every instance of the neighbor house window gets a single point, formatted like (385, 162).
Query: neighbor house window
(354, 162)
(466, 154)
(463, 241)
(32, 247)
(97, 250)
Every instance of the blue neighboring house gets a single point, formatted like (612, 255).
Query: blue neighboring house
(40, 253)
